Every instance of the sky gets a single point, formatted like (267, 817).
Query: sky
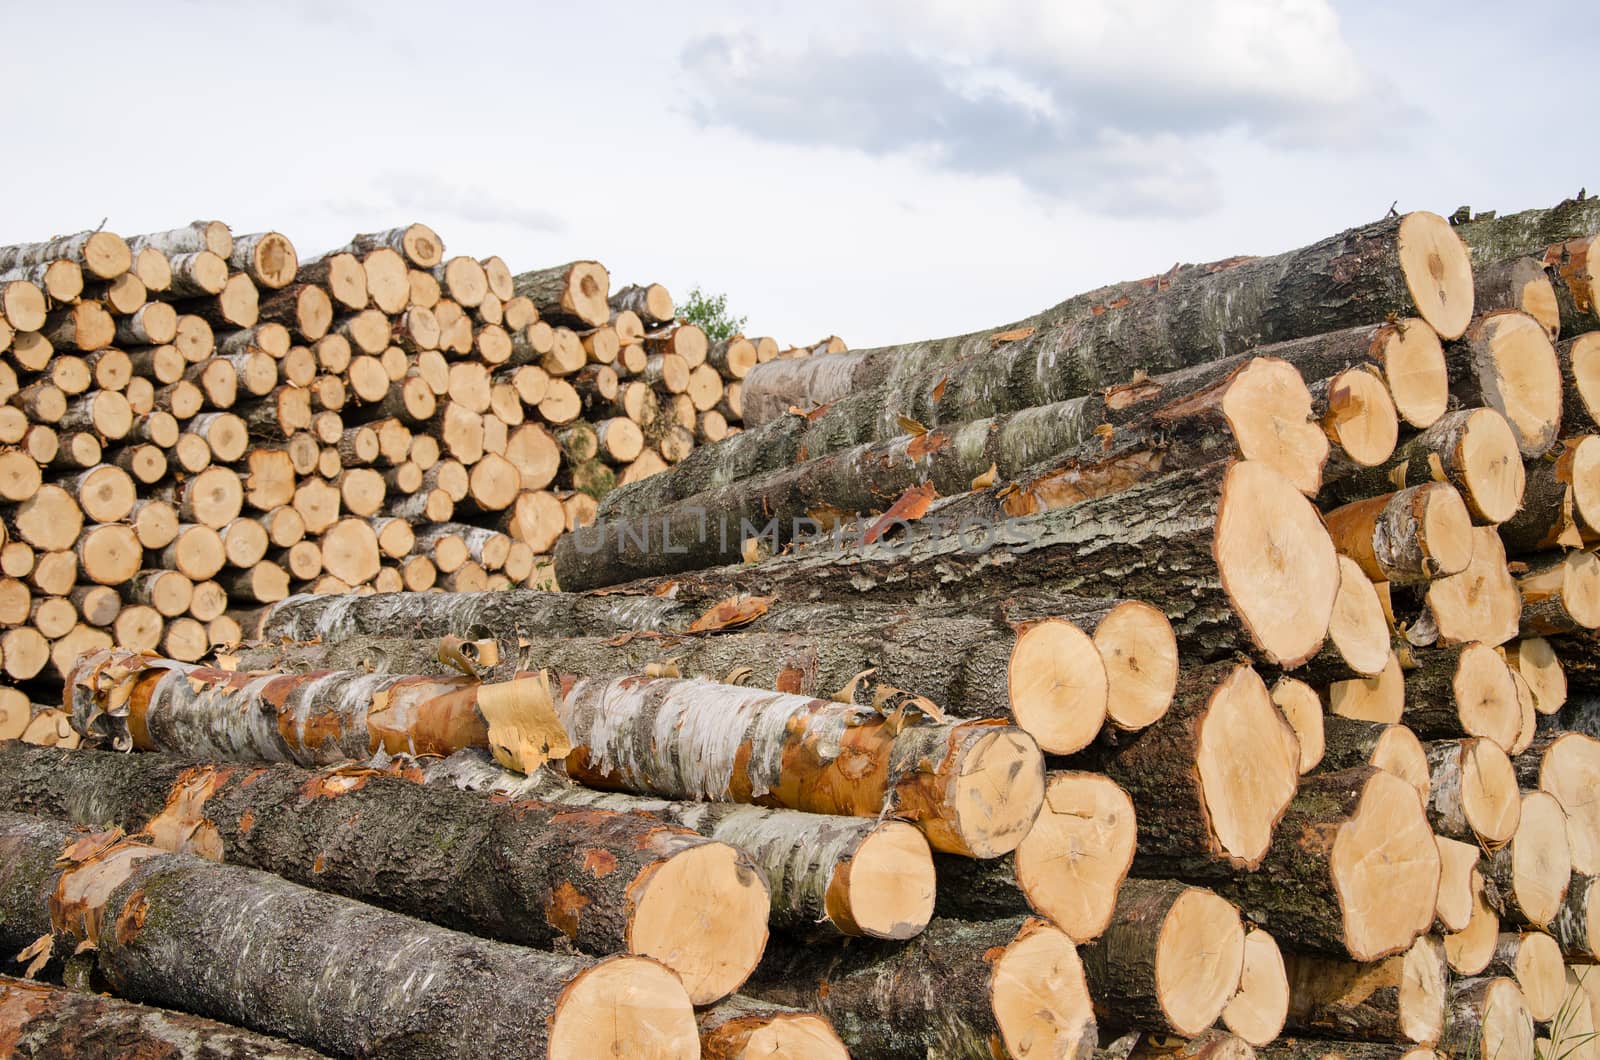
(884, 171)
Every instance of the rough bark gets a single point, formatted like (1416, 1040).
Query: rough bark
(807, 858)
(1398, 999)
(1518, 283)
(1465, 691)
(1491, 238)
(1487, 1017)
(1577, 927)
(1506, 362)
(742, 1028)
(518, 870)
(954, 991)
(572, 293)
(240, 946)
(731, 744)
(1158, 541)
(1352, 868)
(42, 1021)
(471, 616)
(1560, 501)
(1474, 791)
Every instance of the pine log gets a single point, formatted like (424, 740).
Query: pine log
(959, 990)
(1399, 999)
(164, 930)
(1352, 868)
(40, 1020)
(467, 865)
(844, 875)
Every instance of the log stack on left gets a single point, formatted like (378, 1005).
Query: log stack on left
(195, 423)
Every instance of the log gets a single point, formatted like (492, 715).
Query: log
(103, 255)
(1474, 794)
(1567, 765)
(1417, 534)
(743, 1028)
(1352, 868)
(1491, 238)
(1506, 362)
(1423, 272)
(1473, 450)
(1570, 273)
(197, 274)
(1487, 1017)
(573, 293)
(1457, 862)
(212, 236)
(174, 942)
(465, 864)
(1576, 928)
(38, 1019)
(959, 990)
(470, 616)
(60, 280)
(1533, 961)
(705, 758)
(1560, 593)
(1480, 603)
(1358, 632)
(1199, 578)
(836, 875)
(1205, 804)
(1069, 868)
(652, 303)
(1465, 691)
(1399, 999)
(417, 243)
(1519, 283)
(1256, 1013)
(1302, 709)
(1526, 879)
(1561, 501)
(1394, 749)
(1170, 959)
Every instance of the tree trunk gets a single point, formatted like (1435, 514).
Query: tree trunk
(520, 872)
(1257, 1011)
(1490, 238)
(1519, 283)
(38, 1020)
(731, 744)
(1398, 999)
(1479, 603)
(1572, 281)
(102, 254)
(418, 243)
(1348, 743)
(1487, 1017)
(1533, 960)
(193, 237)
(652, 303)
(1465, 691)
(1565, 765)
(1352, 868)
(1561, 501)
(1170, 960)
(1412, 536)
(1526, 879)
(963, 991)
(239, 945)
(1474, 794)
(847, 875)
(1560, 593)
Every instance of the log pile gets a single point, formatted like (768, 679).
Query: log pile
(195, 424)
(1181, 672)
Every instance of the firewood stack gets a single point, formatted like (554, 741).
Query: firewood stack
(195, 424)
(1183, 671)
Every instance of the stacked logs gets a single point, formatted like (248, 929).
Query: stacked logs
(194, 424)
(1064, 688)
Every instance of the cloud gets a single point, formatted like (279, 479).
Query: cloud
(1105, 104)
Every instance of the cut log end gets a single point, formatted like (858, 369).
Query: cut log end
(1539, 970)
(1259, 1009)
(1469, 951)
(1039, 997)
(886, 890)
(796, 1035)
(1399, 753)
(1457, 860)
(1276, 561)
(1486, 696)
(624, 1006)
(1489, 798)
(711, 957)
(1415, 369)
(1541, 860)
(1385, 869)
(1073, 860)
(1490, 465)
(1361, 417)
(1437, 271)
(1058, 686)
(1009, 762)
(1248, 761)
(1140, 652)
(1199, 958)
(1358, 629)
(1268, 408)
(1520, 377)
(1302, 708)
(1570, 770)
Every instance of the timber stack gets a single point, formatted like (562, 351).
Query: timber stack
(194, 424)
(1183, 671)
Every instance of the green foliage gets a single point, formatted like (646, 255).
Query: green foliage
(709, 312)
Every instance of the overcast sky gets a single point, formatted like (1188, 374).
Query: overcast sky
(884, 171)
